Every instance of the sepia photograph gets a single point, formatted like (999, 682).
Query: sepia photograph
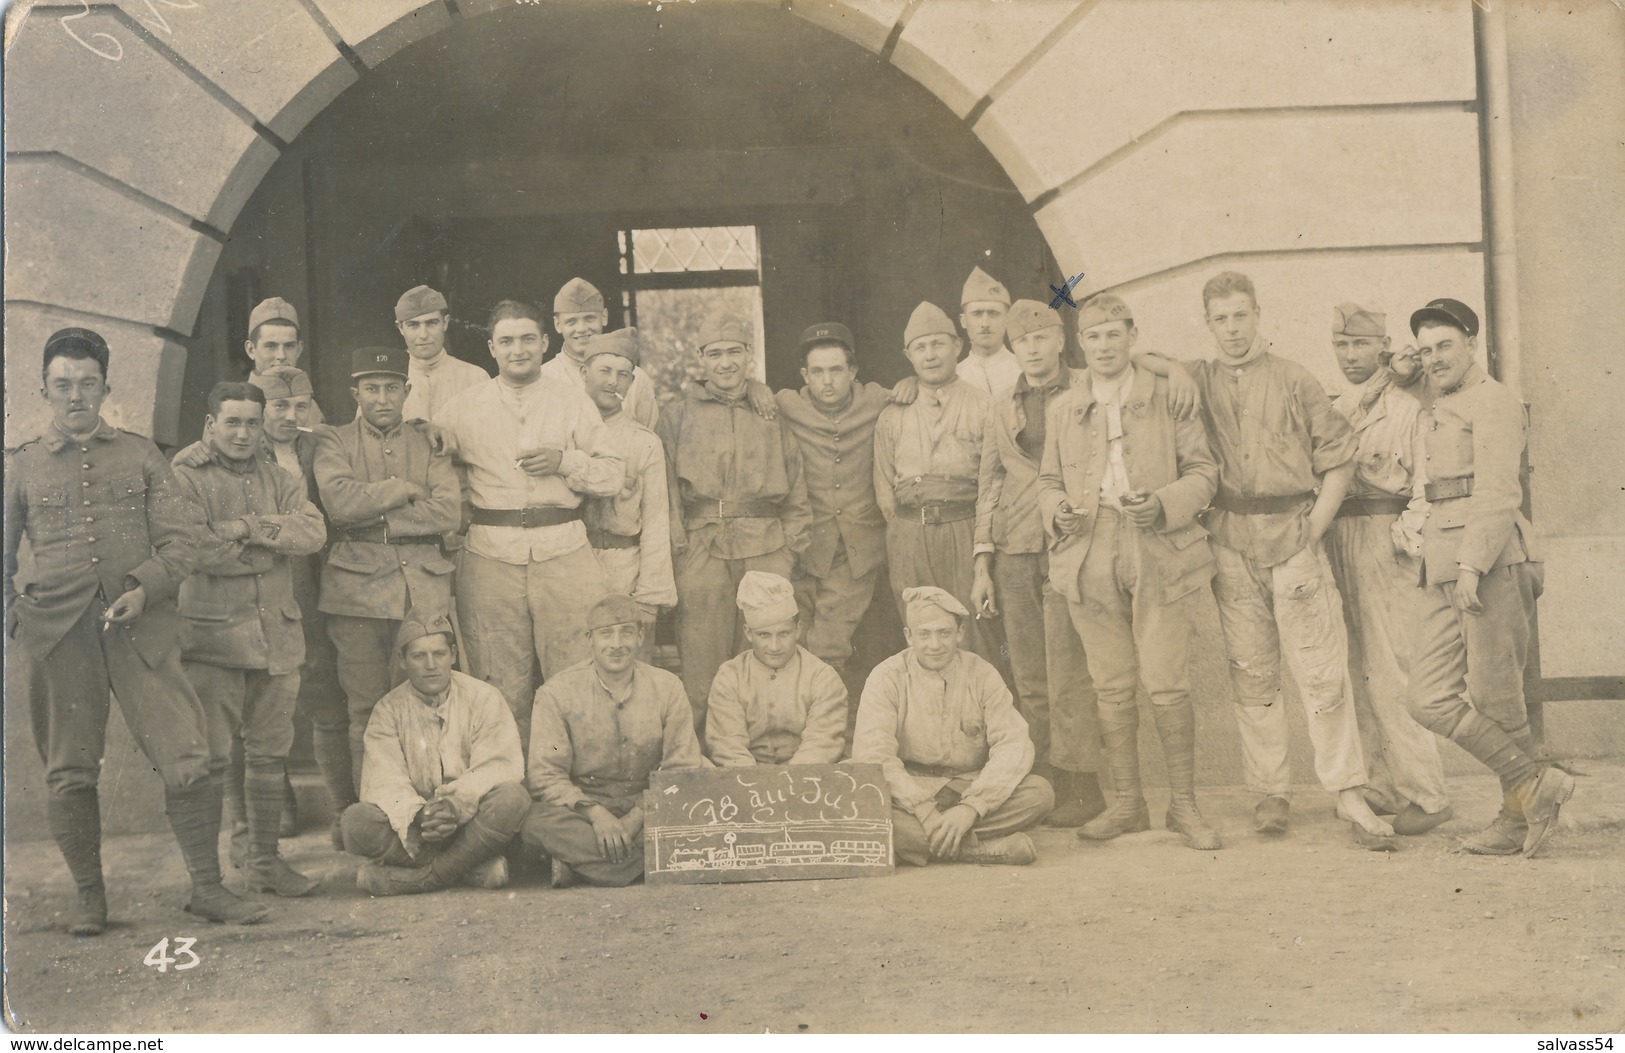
(1170, 450)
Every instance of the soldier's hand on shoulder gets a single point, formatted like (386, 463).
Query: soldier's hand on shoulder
(1184, 397)
(905, 391)
(193, 456)
(761, 400)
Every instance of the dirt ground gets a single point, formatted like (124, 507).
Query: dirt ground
(1301, 933)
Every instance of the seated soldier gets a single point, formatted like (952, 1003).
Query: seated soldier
(942, 724)
(440, 790)
(599, 728)
(777, 703)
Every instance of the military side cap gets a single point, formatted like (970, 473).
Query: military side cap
(418, 624)
(623, 342)
(725, 328)
(276, 309)
(282, 382)
(766, 599)
(923, 598)
(1450, 312)
(76, 336)
(1028, 316)
(1098, 310)
(927, 320)
(418, 300)
(614, 609)
(983, 286)
(1351, 319)
(578, 295)
(827, 333)
(364, 360)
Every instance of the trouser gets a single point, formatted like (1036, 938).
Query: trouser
(709, 628)
(516, 616)
(368, 669)
(1031, 800)
(1054, 691)
(621, 567)
(249, 703)
(942, 554)
(1475, 662)
(367, 832)
(567, 836)
(68, 699)
(1292, 606)
(1378, 586)
(831, 608)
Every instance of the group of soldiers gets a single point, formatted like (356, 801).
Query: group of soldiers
(459, 586)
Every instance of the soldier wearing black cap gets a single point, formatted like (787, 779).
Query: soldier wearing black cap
(1479, 578)
(113, 536)
(389, 497)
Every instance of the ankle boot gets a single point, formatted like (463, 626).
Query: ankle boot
(332, 747)
(231, 791)
(194, 815)
(1016, 850)
(75, 820)
(1119, 741)
(266, 870)
(1176, 725)
(471, 846)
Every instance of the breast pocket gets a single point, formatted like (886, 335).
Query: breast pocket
(128, 490)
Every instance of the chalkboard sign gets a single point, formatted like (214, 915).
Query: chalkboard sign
(766, 823)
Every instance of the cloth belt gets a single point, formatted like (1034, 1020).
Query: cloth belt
(379, 534)
(1258, 506)
(935, 771)
(705, 508)
(937, 514)
(1372, 506)
(1445, 489)
(604, 539)
(536, 516)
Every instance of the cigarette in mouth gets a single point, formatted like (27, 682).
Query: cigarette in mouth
(307, 431)
(618, 395)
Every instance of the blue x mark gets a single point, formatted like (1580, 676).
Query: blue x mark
(1065, 293)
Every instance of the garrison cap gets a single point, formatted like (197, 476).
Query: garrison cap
(766, 599)
(614, 609)
(365, 360)
(983, 286)
(282, 382)
(921, 599)
(1351, 319)
(578, 295)
(1103, 308)
(1450, 312)
(418, 624)
(725, 328)
(276, 309)
(927, 320)
(623, 342)
(827, 333)
(418, 300)
(76, 336)
(1029, 316)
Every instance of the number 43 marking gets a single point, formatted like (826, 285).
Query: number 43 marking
(159, 957)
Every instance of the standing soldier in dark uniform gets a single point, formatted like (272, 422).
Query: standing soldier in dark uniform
(112, 538)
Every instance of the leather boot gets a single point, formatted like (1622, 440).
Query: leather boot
(1541, 798)
(194, 815)
(231, 791)
(75, 820)
(1016, 850)
(469, 847)
(1176, 725)
(1119, 741)
(332, 747)
(1077, 798)
(266, 870)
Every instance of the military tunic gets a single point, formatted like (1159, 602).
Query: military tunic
(794, 715)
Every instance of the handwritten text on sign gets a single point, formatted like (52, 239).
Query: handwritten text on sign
(767, 823)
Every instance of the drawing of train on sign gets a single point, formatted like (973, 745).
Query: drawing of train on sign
(783, 853)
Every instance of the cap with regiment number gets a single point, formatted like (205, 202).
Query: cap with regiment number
(365, 360)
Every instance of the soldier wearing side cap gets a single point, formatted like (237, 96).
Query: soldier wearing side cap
(443, 791)
(630, 533)
(274, 339)
(1052, 685)
(1372, 546)
(599, 729)
(984, 304)
(1123, 477)
(579, 315)
(389, 497)
(435, 374)
(777, 703)
(1480, 577)
(957, 758)
(112, 536)
(739, 502)
(927, 461)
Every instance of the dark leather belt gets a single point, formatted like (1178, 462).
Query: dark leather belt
(604, 539)
(380, 535)
(1259, 506)
(937, 514)
(1445, 489)
(705, 508)
(1372, 506)
(539, 516)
